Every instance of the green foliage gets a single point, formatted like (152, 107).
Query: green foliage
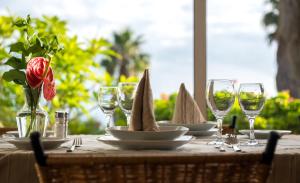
(223, 100)
(280, 112)
(15, 75)
(31, 43)
(131, 60)
(90, 126)
(271, 19)
(76, 69)
(164, 107)
(119, 116)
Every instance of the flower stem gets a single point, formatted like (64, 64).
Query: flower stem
(33, 106)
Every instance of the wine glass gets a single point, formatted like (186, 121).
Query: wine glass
(251, 99)
(126, 94)
(220, 96)
(107, 100)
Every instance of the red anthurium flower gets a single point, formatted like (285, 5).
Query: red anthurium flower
(49, 86)
(35, 71)
(36, 75)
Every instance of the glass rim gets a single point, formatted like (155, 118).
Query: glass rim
(251, 84)
(231, 80)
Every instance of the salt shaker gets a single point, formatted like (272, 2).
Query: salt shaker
(61, 124)
(66, 124)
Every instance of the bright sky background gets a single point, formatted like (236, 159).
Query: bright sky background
(237, 46)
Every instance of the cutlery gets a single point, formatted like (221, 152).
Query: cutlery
(220, 147)
(231, 139)
(236, 148)
(76, 143)
(232, 142)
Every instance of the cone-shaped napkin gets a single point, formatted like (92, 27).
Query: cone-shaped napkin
(186, 108)
(142, 118)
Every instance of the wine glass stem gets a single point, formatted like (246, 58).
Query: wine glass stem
(109, 120)
(128, 118)
(251, 122)
(219, 133)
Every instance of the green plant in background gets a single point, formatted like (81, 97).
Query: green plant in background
(119, 116)
(280, 112)
(127, 91)
(223, 100)
(251, 101)
(131, 60)
(77, 72)
(164, 107)
(271, 19)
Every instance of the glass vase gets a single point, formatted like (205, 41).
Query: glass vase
(32, 117)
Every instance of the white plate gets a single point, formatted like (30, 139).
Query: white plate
(48, 143)
(192, 127)
(164, 133)
(16, 133)
(264, 134)
(203, 133)
(146, 144)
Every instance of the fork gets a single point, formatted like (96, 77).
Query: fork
(232, 141)
(76, 143)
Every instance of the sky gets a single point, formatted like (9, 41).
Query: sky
(236, 40)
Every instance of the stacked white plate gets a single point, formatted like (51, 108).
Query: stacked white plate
(16, 133)
(168, 137)
(204, 129)
(47, 142)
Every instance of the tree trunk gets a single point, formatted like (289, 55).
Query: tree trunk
(124, 67)
(288, 53)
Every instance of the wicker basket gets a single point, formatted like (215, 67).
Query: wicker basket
(209, 168)
(4, 130)
(218, 167)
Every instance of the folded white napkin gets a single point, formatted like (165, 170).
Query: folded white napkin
(186, 108)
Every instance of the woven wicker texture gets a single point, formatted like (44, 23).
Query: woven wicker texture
(170, 169)
(4, 130)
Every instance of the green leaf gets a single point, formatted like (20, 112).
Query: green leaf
(20, 22)
(17, 47)
(109, 52)
(28, 19)
(16, 63)
(15, 75)
(3, 54)
(37, 47)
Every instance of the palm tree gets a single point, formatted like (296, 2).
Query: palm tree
(285, 17)
(131, 61)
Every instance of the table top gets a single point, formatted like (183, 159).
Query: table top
(288, 144)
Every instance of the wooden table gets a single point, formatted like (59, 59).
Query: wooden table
(17, 165)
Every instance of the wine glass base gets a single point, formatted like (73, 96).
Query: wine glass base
(251, 143)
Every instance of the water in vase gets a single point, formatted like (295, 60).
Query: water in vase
(24, 123)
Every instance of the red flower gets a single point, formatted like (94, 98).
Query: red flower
(49, 86)
(36, 75)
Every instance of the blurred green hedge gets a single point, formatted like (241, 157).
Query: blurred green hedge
(280, 112)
